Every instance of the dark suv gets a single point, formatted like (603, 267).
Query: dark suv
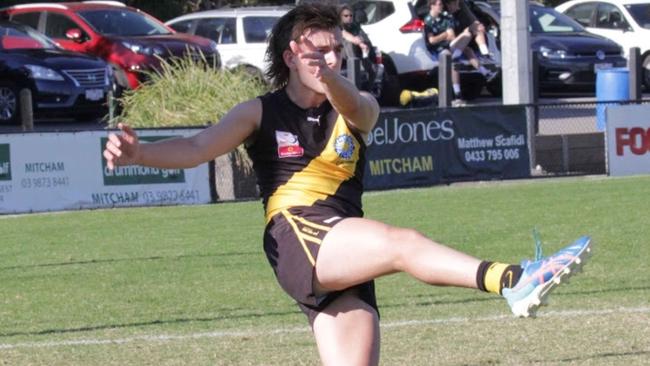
(129, 39)
(62, 82)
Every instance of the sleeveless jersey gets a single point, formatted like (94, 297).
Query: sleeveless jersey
(301, 159)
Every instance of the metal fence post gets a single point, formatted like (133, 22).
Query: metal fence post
(354, 70)
(635, 73)
(26, 109)
(532, 113)
(445, 90)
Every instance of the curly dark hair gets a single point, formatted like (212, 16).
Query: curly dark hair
(290, 27)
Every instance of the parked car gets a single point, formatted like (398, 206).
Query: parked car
(569, 56)
(240, 33)
(130, 40)
(396, 27)
(62, 83)
(626, 22)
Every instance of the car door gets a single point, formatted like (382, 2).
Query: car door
(605, 20)
(56, 26)
(222, 30)
(611, 23)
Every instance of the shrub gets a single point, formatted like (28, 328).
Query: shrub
(184, 92)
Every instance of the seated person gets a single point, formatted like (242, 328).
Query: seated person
(352, 31)
(360, 44)
(466, 20)
(440, 34)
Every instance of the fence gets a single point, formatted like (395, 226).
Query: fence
(568, 141)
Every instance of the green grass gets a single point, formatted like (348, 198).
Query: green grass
(190, 285)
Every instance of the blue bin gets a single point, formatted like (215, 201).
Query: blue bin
(611, 85)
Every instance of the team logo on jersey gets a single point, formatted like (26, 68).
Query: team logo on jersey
(288, 145)
(344, 146)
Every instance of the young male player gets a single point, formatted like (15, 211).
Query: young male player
(306, 140)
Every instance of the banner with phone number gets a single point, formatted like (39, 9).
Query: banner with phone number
(420, 147)
(65, 171)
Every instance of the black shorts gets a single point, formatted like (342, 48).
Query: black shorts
(291, 242)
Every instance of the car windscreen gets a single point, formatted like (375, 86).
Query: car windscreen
(641, 14)
(22, 38)
(122, 22)
(546, 20)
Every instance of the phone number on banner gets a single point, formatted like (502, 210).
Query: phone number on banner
(146, 197)
(492, 155)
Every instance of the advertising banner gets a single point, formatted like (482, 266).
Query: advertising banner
(628, 140)
(63, 171)
(431, 146)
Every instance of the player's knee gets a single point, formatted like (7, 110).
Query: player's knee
(402, 242)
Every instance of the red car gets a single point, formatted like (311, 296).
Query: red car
(127, 38)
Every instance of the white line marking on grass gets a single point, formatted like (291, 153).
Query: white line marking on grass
(252, 333)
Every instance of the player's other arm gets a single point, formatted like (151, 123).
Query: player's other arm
(186, 152)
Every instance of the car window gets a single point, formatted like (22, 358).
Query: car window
(122, 22)
(641, 14)
(30, 19)
(220, 30)
(184, 26)
(257, 29)
(610, 17)
(58, 24)
(369, 12)
(544, 20)
(21, 38)
(582, 13)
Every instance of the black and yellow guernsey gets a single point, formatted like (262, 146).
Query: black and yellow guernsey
(301, 159)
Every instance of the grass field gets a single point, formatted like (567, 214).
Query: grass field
(191, 286)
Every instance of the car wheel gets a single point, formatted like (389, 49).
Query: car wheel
(255, 73)
(9, 104)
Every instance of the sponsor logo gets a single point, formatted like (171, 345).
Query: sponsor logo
(403, 132)
(5, 163)
(344, 146)
(636, 139)
(288, 145)
(136, 174)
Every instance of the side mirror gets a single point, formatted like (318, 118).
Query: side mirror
(74, 34)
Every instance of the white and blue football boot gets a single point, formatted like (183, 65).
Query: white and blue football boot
(541, 276)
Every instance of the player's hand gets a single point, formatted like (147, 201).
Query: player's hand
(123, 148)
(310, 55)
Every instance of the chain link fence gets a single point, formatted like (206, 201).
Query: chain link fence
(569, 140)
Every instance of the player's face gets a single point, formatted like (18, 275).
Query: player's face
(329, 44)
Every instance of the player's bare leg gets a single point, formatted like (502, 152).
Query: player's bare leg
(347, 332)
(358, 250)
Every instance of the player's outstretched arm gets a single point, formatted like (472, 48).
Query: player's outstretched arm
(235, 127)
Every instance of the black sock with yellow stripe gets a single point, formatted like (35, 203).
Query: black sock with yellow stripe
(494, 276)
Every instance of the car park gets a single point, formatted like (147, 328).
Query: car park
(568, 55)
(240, 33)
(396, 27)
(130, 40)
(62, 83)
(626, 22)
